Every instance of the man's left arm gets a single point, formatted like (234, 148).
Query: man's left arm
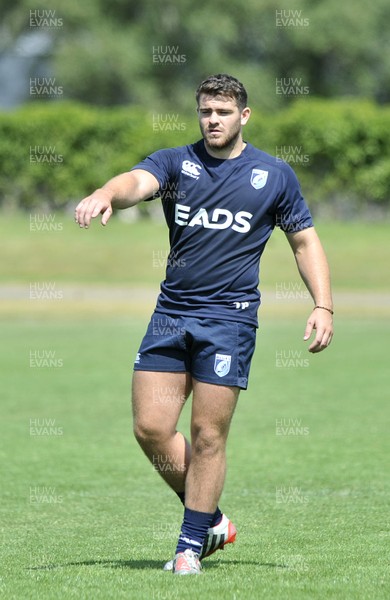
(314, 270)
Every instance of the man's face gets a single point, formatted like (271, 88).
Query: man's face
(220, 121)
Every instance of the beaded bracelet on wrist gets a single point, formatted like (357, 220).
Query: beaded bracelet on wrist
(325, 308)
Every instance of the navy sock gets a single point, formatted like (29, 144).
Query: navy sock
(216, 517)
(193, 530)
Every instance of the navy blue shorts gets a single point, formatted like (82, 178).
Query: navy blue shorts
(213, 351)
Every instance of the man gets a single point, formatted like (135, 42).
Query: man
(221, 198)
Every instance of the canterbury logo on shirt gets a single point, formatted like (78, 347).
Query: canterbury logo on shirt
(220, 218)
(191, 169)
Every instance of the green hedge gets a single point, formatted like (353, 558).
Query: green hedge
(345, 146)
(55, 153)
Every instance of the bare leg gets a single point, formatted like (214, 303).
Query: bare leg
(212, 410)
(158, 399)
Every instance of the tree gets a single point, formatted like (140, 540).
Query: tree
(154, 54)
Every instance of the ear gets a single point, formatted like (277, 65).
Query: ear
(245, 114)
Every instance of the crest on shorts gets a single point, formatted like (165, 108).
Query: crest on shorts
(259, 178)
(222, 364)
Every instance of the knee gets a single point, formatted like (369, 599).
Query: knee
(149, 433)
(207, 441)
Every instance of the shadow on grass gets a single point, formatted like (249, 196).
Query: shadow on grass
(147, 564)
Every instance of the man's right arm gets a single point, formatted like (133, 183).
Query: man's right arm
(120, 192)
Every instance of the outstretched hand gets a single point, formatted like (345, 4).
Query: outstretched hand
(97, 203)
(320, 322)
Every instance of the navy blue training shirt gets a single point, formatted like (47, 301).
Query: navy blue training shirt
(220, 214)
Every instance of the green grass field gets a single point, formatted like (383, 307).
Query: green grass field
(84, 515)
(132, 254)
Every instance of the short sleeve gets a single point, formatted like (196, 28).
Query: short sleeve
(292, 212)
(161, 164)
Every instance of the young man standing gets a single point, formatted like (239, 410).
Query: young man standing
(201, 337)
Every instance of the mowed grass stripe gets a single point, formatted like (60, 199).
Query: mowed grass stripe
(128, 254)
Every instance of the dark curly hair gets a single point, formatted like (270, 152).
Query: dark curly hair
(224, 85)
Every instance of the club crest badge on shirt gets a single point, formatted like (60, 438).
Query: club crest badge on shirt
(259, 178)
(222, 364)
